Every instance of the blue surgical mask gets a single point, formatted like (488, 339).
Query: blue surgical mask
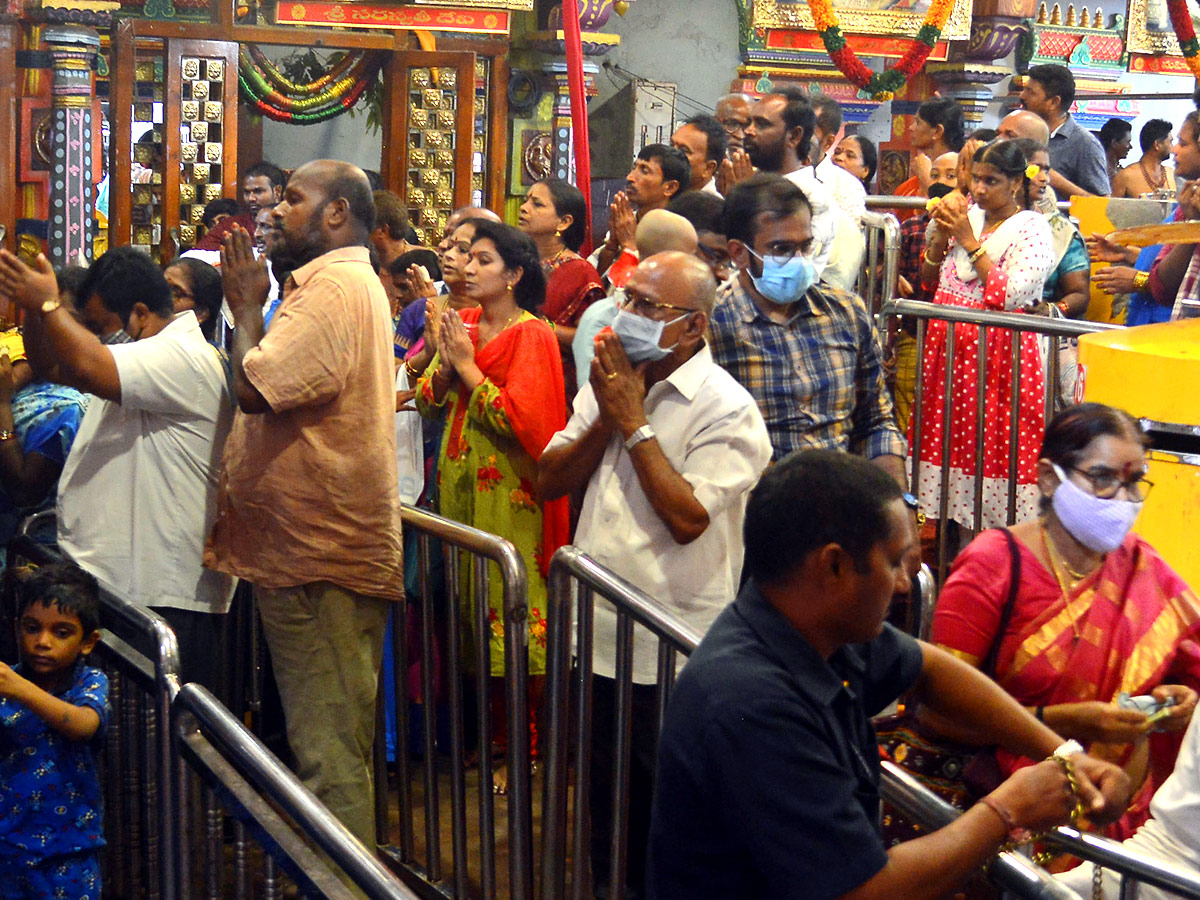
(784, 283)
(1097, 523)
(640, 336)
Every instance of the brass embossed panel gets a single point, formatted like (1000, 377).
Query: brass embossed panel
(202, 151)
(429, 181)
(146, 209)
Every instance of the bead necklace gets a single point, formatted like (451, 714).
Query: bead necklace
(1154, 186)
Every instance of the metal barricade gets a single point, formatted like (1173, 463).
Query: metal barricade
(1132, 868)
(877, 280)
(139, 654)
(162, 741)
(1009, 870)
(468, 556)
(243, 780)
(983, 321)
(575, 580)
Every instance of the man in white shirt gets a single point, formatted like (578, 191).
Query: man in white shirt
(779, 141)
(1171, 834)
(848, 192)
(137, 494)
(702, 139)
(668, 446)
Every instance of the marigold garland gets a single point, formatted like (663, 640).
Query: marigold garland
(881, 85)
(1185, 31)
(278, 98)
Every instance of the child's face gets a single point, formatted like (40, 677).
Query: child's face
(51, 641)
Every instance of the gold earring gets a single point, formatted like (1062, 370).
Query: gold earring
(509, 288)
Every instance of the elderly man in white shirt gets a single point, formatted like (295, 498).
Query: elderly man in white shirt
(137, 493)
(668, 445)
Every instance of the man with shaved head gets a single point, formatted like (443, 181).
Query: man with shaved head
(657, 232)
(667, 445)
(308, 506)
(1021, 123)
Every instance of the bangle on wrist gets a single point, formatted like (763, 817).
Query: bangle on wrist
(930, 261)
(1040, 713)
(974, 256)
(1141, 280)
(1064, 308)
(7, 435)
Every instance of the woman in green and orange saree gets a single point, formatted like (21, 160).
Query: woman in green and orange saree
(1097, 613)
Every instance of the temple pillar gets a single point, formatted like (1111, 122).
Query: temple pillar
(73, 51)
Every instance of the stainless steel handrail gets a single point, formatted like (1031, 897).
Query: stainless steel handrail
(167, 682)
(273, 780)
(1009, 870)
(571, 567)
(1110, 854)
(515, 583)
(892, 201)
(890, 226)
(918, 309)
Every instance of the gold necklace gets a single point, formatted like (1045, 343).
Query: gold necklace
(1048, 545)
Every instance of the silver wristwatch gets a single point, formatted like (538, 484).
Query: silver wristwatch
(644, 433)
(1067, 749)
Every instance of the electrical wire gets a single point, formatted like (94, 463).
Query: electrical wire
(614, 69)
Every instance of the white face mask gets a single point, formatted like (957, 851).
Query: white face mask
(1098, 524)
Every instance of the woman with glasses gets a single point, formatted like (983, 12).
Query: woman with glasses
(992, 255)
(1073, 611)
(498, 377)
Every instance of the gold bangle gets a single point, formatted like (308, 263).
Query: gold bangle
(408, 367)
(1141, 280)
(7, 435)
(931, 262)
(972, 258)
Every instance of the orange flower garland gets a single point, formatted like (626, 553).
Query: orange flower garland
(880, 85)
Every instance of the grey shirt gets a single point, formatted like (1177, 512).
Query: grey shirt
(1079, 157)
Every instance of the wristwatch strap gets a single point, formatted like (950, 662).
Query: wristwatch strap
(644, 433)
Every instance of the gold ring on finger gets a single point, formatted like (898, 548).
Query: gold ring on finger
(611, 375)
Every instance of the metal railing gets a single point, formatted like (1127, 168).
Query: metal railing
(468, 554)
(574, 580)
(1009, 870)
(1132, 868)
(977, 324)
(258, 791)
(141, 657)
(164, 738)
(877, 281)
(892, 201)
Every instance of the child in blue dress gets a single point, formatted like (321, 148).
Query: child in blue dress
(53, 709)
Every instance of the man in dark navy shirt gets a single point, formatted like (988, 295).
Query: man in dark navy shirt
(768, 780)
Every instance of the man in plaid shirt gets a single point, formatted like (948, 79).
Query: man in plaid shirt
(807, 353)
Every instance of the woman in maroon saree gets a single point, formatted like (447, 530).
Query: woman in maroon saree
(554, 215)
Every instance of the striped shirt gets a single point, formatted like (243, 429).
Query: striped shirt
(818, 378)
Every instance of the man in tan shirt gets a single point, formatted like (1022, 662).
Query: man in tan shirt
(308, 507)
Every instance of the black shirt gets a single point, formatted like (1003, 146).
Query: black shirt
(768, 772)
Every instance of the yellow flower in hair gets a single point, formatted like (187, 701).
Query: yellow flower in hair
(931, 203)
(1031, 171)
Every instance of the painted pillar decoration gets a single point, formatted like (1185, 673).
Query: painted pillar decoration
(971, 70)
(593, 15)
(73, 50)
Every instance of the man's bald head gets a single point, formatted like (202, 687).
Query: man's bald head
(683, 277)
(1022, 123)
(339, 180)
(660, 231)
